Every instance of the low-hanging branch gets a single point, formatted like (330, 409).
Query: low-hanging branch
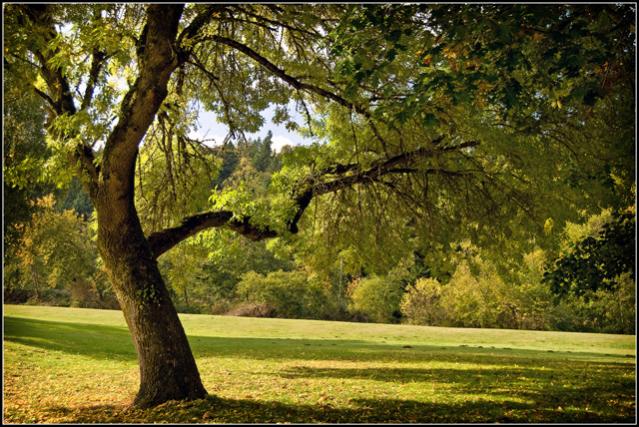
(312, 186)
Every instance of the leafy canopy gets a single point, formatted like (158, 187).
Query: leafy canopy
(514, 116)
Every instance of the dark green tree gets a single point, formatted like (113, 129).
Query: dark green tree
(594, 262)
(25, 154)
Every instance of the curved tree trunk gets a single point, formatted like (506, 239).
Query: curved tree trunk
(167, 367)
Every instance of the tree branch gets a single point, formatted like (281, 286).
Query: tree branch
(158, 60)
(96, 66)
(299, 85)
(61, 98)
(312, 186)
(46, 97)
(274, 22)
(164, 240)
(193, 29)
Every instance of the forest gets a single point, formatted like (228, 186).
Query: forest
(469, 166)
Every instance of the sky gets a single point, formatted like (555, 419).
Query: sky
(210, 128)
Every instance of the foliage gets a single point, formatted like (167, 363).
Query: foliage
(74, 197)
(420, 303)
(603, 310)
(478, 295)
(376, 297)
(525, 113)
(519, 79)
(288, 294)
(184, 270)
(173, 179)
(65, 365)
(594, 261)
(260, 151)
(56, 254)
(479, 301)
(24, 154)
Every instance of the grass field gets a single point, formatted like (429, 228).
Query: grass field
(79, 365)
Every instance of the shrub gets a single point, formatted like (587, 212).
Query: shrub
(288, 294)
(482, 301)
(83, 294)
(420, 304)
(249, 309)
(610, 311)
(376, 297)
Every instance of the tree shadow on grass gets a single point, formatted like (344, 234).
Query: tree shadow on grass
(546, 382)
(218, 410)
(565, 385)
(96, 341)
(114, 343)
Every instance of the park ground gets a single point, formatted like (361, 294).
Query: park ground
(79, 365)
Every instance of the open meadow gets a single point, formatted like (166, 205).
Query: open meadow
(79, 365)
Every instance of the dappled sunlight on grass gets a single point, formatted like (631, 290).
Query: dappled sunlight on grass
(64, 369)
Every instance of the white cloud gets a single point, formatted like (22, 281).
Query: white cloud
(280, 141)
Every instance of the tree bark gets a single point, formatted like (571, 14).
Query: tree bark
(167, 367)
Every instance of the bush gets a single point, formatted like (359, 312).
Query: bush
(83, 294)
(287, 294)
(621, 311)
(249, 309)
(481, 300)
(420, 304)
(54, 261)
(54, 297)
(610, 311)
(376, 297)
(536, 309)
(16, 295)
(478, 302)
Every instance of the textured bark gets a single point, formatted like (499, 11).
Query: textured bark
(167, 367)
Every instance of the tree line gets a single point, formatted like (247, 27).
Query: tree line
(589, 287)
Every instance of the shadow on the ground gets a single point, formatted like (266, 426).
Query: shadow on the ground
(490, 385)
(218, 410)
(563, 385)
(112, 342)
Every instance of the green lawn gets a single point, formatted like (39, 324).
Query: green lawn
(79, 365)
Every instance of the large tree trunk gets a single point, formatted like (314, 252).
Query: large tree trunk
(167, 366)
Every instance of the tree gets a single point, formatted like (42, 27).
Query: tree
(594, 262)
(54, 251)
(377, 298)
(422, 137)
(24, 158)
